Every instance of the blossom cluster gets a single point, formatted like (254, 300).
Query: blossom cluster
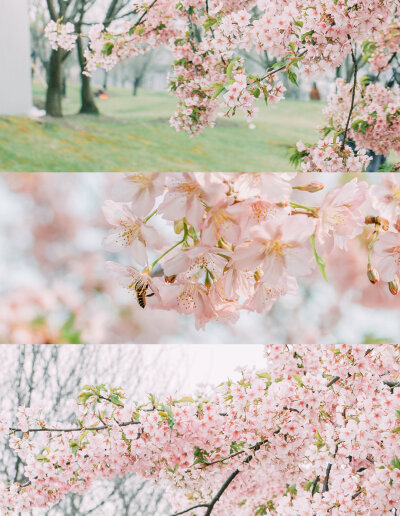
(316, 430)
(240, 241)
(60, 35)
(206, 38)
(384, 46)
(330, 155)
(375, 121)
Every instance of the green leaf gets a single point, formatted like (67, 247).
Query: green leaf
(209, 23)
(42, 458)
(298, 379)
(108, 48)
(115, 399)
(69, 334)
(292, 77)
(229, 69)
(218, 89)
(396, 463)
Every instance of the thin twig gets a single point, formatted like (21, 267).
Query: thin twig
(273, 72)
(145, 12)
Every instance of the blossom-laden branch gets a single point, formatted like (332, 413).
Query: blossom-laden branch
(209, 71)
(353, 96)
(241, 241)
(293, 425)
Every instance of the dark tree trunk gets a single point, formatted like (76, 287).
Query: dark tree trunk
(105, 80)
(88, 104)
(136, 84)
(54, 84)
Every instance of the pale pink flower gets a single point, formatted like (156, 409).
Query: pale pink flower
(278, 249)
(264, 296)
(237, 282)
(128, 231)
(385, 196)
(141, 190)
(189, 297)
(186, 197)
(340, 217)
(191, 261)
(387, 255)
(273, 188)
(222, 221)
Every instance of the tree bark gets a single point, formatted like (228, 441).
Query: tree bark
(54, 85)
(88, 105)
(136, 84)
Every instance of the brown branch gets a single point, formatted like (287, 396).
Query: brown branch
(353, 96)
(255, 447)
(76, 429)
(283, 67)
(314, 485)
(145, 12)
(334, 380)
(225, 485)
(191, 509)
(326, 479)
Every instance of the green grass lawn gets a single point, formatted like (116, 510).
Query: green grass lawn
(133, 134)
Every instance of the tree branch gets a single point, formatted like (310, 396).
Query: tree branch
(191, 509)
(325, 486)
(76, 429)
(353, 96)
(52, 10)
(334, 380)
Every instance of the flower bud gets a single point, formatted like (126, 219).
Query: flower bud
(394, 286)
(310, 187)
(373, 274)
(178, 226)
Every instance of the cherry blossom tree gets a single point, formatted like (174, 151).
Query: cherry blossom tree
(48, 376)
(209, 73)
(314, 431)
(241, 241)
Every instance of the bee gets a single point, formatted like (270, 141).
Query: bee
(141, 294)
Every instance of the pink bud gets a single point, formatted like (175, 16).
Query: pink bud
(394, 286)
(311, 187)
(373, 274)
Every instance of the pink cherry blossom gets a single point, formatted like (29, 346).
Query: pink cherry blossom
(128, 231)
(340, 216)
(387, 255)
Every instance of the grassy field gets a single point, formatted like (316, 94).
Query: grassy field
(133, 133)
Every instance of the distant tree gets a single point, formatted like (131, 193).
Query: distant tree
(75, 12)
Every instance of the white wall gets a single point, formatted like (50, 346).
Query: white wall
(15, 69)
